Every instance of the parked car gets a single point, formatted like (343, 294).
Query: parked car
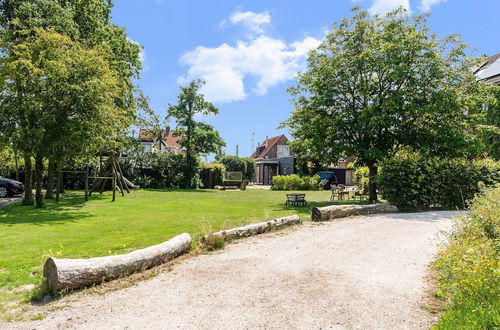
(327, 178)
(10, 187)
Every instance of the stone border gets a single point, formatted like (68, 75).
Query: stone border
(340, 211)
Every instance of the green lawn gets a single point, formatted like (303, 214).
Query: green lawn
(74, 229)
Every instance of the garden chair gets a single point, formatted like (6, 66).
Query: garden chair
(335, 192)
(362, 194)
(296, 199)
(342, 191)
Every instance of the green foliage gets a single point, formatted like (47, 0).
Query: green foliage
(246, 165)
(234, 164)
(218, 172)
(377, 84)
(250, 169)
(414, 182)
(361, 177)
(155, 170)
(468, 267)
(198, 138)
(295, 182)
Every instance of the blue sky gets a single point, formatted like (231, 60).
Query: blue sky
(249, 51)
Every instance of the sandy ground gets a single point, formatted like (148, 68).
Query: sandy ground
(358, 273)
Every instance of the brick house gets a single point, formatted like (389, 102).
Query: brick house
(153, 144)
(273, 157)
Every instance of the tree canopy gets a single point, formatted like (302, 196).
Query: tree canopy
(379, 84)
(67, 80)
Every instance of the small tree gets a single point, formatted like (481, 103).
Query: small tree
(378, 84)
(198, 138)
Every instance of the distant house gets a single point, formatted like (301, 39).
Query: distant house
(489, 71)
(273, 157)
(154, 144)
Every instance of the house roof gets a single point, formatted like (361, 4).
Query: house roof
(269, 143)
(168, 137)
(490, 70)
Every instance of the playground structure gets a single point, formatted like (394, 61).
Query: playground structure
(110, 175)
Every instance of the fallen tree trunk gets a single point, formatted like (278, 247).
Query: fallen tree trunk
(340, 211)
(256, 228)
(76, 273)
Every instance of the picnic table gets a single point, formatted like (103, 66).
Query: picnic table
(296, 199)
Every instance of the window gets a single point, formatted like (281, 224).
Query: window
(283, 151)
(148, 147)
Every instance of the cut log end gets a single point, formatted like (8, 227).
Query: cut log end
(50, 274)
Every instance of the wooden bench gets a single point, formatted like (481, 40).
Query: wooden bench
(296, 200)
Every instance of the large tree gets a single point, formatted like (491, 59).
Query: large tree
(377, 84)
(198, 138)
(58, 97)
(88, 24)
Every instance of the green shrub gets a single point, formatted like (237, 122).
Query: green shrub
(468, 268)
(155, 170)
(295, 182)
(361, 177)
(218, 170)
(250, 169)
(234, 164)
(415, 183)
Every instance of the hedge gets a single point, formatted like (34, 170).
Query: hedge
(417, 183)
(295, 182)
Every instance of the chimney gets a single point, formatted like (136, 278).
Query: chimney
(267, 138)
(167, 131)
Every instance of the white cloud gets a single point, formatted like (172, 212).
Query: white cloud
(426, 5)
(250, 20)
(385, 6)
(267, 60)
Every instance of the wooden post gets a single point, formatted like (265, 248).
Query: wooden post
(115, 171)
(86, 182)
(122, 178)
(114, 186)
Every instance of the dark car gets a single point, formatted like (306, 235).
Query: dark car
(10, 187)
(327, 178)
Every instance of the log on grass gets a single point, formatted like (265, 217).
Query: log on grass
(71, 274)
(340, 211)
(256, 228)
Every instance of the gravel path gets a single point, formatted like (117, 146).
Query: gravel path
(358, 273)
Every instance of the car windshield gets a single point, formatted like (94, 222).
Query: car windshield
(325, 176)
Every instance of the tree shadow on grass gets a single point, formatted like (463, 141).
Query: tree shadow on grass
(67, 209)
(198, 191)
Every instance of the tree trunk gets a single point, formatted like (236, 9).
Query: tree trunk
(341, 211)
(76, 273)
(255, 228)
(28, 193)
(50, 180)
(372, 182)
(17, 165)
(38, 181)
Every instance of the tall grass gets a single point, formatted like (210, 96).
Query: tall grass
(469, 267)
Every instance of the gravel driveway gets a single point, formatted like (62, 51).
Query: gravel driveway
(357, 273)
